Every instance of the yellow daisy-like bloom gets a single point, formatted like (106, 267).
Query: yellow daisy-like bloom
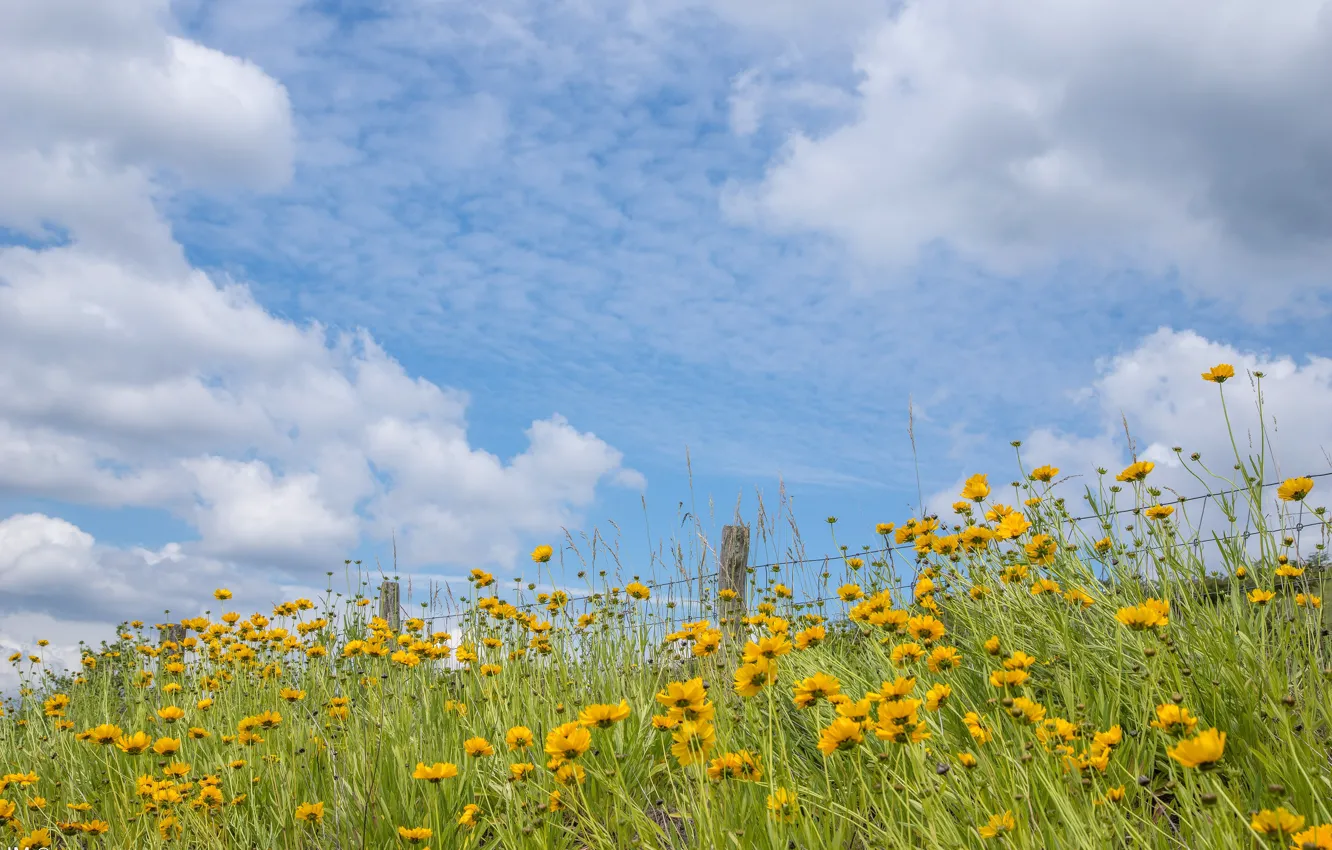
(107, 733)
(519, 738)
(478, 747)
(1219, 373)
(967, 760)
(134, 744)
(1258, 596)
(471, 815)
(1174, 719)
(1044, 473)
(783, 806)
(1019, 660)
(926, 629)
(520, 771)
(1136, 471)
(766, 649)
(542, 554)
(907, 653)
(977, 487)
(435, 773)
(842, 734)
(750, 678)
(310, 812)
(936, 696)
(1319, 837)
(222, 594)
(1159, 511)
(944, 658)
(603, 716)
(1276, 822)
(1201, 751)
(742, 765)
(811, 690)
(414, 834)
(810, 637)
(692, 741)
(997, 825)
(1308, 600)
(1294, 489)
(683, 694)
(568, 741)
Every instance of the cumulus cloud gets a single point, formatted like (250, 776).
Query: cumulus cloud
(132, 379)
(1157, 390)
(1166, 137)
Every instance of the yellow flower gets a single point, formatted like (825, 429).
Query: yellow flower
(478, 747)
(603, 716)
(1319, 837)
(992, 645)
(222, 593)
(542, 554)
(470, 815)
(936, 696)
(1159, 511)
(810, 637)
(842, 734)
(907, 653)
(134, 744)
(967, 760)
(944, 658)
(1136, 471)
(766, 650)
(568, 741)
(1219, 373)
(1294, 489)
(1201, 751)
(107, 733)
(38, 838)
(783, 806)
(998, 825)
(976, 488)
(310, 812)
(1278, 822)
(1174, 719)
(750, 678)
(518, 738)
(811, 690)
(1308, 600)
(415, 834)
(1044, 473)
(435, 773)
(1258, 596)
(520, 771)
(692, 740)
(171, 713)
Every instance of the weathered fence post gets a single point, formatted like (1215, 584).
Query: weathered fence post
(173, 632)
(388, 605)
(733, 578)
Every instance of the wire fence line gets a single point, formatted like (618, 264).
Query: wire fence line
(845, 555)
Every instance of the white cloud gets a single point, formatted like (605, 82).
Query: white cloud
(132, 379)
(1161, 135)
(1156, 387)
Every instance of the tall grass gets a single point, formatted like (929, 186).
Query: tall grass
(1088, 658)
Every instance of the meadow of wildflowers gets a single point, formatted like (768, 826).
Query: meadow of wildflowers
(1020, 674)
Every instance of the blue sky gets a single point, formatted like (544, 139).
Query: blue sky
(755, 234)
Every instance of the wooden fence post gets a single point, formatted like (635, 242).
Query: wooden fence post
(388, 605)
(733, 576)
(173, 632)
